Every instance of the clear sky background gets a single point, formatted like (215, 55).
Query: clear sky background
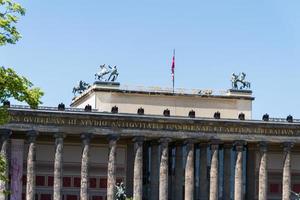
(65, 41)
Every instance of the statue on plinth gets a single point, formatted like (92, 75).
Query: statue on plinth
(235, 79)
(81, 87)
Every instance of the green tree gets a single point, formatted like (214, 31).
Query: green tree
(9, 16)
(11, 84)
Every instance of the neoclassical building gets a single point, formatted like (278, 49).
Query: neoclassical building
(161, 145)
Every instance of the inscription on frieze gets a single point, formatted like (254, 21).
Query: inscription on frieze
(146, 125)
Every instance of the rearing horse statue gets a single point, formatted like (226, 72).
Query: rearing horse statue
(235, 79)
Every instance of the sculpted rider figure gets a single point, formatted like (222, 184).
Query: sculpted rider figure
(103, 71)
(113, 74)
(234, 80)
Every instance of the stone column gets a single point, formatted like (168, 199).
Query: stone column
(204, 189)
(263, 173)
(214, 172)
(238, 177)
(251, 171)
(58, 166)
(31, 160)
(227, 170)
(86, 139)
(4, 148)
(154, 170)
(286, 175)
(138, 169)
(178, 172)
(111, 167)
(163, 169)
(189, 171)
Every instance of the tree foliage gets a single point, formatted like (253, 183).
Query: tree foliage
(18, 87)
(9, 16)
(11, 84)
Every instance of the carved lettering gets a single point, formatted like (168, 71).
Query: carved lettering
(107, 123)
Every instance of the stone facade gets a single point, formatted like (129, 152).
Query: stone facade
(74, 154)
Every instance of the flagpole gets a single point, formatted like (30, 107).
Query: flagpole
(173, 77)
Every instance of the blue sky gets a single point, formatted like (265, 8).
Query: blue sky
(65, 41)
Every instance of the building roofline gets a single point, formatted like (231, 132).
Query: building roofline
(94, 113)
(242, 95)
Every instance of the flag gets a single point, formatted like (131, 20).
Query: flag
(173, 65)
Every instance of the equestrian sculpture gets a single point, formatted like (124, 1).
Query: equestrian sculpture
(112, 73)
(235, 79)
(81, 87)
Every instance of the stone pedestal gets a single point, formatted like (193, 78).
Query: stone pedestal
(138, 169)
(86, 138)
(286, 175)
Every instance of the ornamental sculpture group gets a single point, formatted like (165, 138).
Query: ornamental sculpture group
(239, 79)
(110, 74)
(105, 74)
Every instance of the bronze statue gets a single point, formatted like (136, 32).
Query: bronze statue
(112, 71)
(82, 86)
(120, 193)
(235, 79)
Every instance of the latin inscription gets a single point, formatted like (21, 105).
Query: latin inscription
(106, 123)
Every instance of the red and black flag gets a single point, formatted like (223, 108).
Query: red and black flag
(173, 69)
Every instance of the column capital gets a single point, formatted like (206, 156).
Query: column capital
(263, 146)
(287, 146)
(239, 145)
(164, 141)
(32, 135)
(189, 141)
(113, 137)
(139, 140)
(59, 135)
(86, 137)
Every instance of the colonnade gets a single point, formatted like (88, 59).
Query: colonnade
(184, 174)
